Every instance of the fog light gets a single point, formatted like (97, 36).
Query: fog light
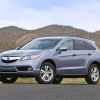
(30, 69)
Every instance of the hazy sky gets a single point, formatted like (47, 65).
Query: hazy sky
(32, 14)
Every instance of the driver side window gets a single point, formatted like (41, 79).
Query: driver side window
(68, 44)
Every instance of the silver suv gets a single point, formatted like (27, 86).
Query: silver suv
(49, 59)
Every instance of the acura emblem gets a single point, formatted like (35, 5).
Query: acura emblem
(5, 58)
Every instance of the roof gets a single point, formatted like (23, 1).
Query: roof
(70, 37)
(66, 37)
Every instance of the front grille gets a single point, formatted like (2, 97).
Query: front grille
(26, 68)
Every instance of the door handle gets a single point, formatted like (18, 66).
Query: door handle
(89, 54)
(74, 55)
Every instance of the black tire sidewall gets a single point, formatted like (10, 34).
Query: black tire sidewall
(88, 78)
(39, 79)
(4, 80)
(58, 80)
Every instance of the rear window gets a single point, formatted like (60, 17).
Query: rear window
(82, 45)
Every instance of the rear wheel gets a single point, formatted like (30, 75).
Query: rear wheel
(8, 80)
(93, 74)
(47, 73)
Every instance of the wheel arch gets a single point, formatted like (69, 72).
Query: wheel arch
(49, 60)
(94, 62)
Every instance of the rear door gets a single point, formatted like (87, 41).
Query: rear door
(68, 61)
(83, 50)
(73, 60)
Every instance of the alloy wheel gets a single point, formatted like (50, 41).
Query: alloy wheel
(46, 73)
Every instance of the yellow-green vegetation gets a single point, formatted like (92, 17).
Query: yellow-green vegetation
(65, 81)
(25, 81)
(73, 81)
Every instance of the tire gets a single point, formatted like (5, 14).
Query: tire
(8, 80)
(93, 74)
(46, 74)
(58, 80)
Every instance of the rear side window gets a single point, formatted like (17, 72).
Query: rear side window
(82, 45)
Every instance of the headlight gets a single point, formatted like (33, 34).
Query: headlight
(29, 57)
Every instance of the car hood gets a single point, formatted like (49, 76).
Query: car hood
(21, 52)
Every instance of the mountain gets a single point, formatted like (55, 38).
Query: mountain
(53, 30)
(11, 37)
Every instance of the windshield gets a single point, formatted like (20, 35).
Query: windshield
(41, 44)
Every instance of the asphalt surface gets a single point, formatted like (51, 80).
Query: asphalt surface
(49, 92)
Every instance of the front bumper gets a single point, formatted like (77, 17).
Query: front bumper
(20, 69)
(20, 74)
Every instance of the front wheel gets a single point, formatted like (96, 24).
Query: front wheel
(58, 80)
(47, 73)
(8, 79)
(93, 74)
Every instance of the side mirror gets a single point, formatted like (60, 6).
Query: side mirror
(17, 48)
(62, 49)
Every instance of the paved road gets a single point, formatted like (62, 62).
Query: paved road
(49, 92)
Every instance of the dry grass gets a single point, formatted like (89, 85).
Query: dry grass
(65, 81)
(25, 80)
(73, 81)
